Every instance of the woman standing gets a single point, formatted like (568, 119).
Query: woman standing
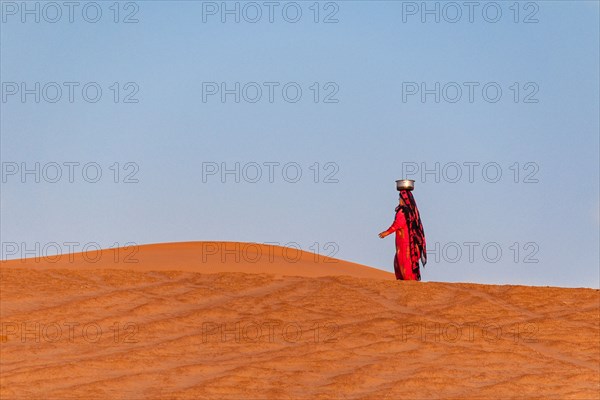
(410, 238)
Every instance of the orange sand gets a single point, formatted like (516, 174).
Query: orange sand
(189, 322)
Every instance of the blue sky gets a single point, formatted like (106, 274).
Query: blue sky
(363, 130)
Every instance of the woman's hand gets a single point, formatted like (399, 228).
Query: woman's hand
(383, 234)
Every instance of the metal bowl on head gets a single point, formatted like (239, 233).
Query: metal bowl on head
(405, 184)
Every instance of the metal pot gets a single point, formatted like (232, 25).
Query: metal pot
(405, 184)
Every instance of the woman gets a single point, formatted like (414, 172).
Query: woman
(410, 239)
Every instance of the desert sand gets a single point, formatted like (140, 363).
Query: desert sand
(200, 320)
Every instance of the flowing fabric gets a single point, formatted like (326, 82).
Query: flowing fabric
(402, 260)
(410, 239)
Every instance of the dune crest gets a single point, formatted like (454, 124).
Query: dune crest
(205, 257)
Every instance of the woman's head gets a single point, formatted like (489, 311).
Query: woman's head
(406, 198)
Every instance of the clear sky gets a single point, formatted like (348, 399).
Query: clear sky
(386, 93)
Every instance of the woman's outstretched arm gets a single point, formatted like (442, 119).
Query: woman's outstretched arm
(398, 224)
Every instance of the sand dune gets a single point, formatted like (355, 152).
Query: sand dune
(176, 325)
(205, 257)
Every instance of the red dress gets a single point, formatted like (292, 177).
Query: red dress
(402, 262)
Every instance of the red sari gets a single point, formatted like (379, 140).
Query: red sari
(410, 239)
(402, 259)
